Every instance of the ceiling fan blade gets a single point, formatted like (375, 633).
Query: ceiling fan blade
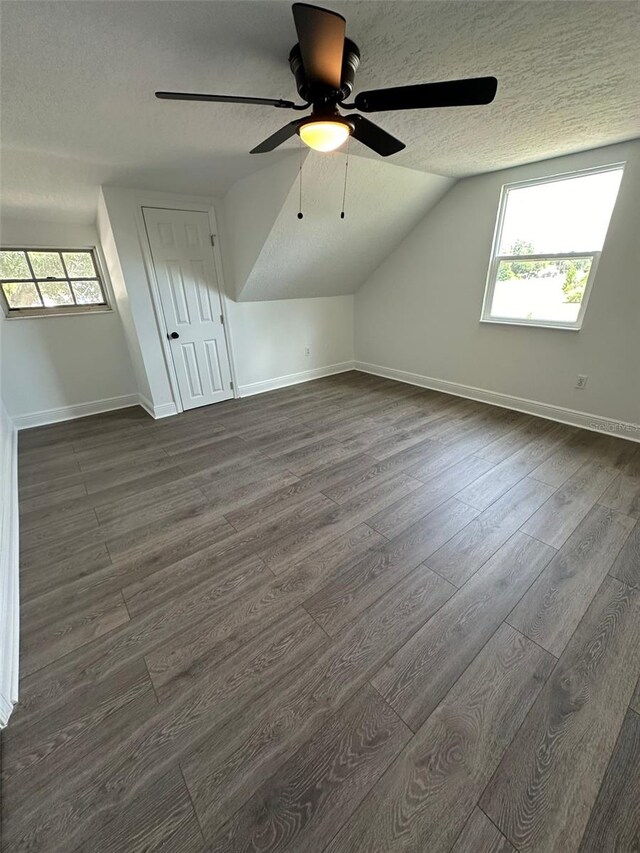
(321, 37)
(224, 99)
(375, 137)
(276, 138)
(453, 93)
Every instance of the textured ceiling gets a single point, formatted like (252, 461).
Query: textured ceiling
(322, 254)
(78, 80)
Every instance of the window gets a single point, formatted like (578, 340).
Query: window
(50, 281)
(548, 241)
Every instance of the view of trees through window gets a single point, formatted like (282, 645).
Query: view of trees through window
(49, 279)
(550, 237)
(575, 270)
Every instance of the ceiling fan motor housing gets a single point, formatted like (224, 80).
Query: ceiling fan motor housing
(319, 94)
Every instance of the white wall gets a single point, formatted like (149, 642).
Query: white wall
(270, 338)
(419, 312)
(121, 297)
(118, 225)
(322, 254)
(53, 363)
(247, 215)
(9, 600)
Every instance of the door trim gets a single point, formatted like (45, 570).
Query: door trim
(167, 202)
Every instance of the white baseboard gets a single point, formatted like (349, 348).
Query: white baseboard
(165, 410)
(597, 423)
(293, 379)
(9, 592)
(79, 410)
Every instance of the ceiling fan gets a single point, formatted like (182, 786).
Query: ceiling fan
(324, 64)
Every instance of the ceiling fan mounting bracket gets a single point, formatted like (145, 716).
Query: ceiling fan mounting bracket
(318, 93)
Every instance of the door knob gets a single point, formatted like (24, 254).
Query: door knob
(173, 335)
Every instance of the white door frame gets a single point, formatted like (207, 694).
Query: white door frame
(168, 201)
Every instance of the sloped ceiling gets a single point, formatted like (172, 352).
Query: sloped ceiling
(78, 80)
(78, 112)
(322, 254)
(250, 210)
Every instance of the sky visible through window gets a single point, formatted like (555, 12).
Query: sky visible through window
(570, 215)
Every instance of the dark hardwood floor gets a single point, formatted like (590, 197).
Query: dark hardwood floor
(350, 615)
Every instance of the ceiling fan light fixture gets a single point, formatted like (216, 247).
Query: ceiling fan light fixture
(325, 134)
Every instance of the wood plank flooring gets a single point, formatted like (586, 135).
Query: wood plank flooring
(350, 615)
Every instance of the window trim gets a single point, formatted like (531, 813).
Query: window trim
(59, 310)
(486, 316)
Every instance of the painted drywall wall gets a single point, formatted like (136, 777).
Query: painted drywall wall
(54, 363)
(270, 338)
(9, 562)
(420, 311)
(248, 213)
(323, 254)
(118, 226)
(121, 297)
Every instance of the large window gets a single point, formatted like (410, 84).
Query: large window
(548, 241)
(50, 281)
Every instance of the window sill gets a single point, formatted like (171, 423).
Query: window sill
(530, 324)
(41, 315)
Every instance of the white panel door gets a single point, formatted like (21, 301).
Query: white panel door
(185, 270)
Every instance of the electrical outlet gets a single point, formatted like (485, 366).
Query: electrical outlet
(307, 352)
(581, 381)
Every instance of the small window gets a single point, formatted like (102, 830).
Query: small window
(548, 241)
(39, 282)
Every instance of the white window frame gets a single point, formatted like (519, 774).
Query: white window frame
(487, 316)
(60, 310)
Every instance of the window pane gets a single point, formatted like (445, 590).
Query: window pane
(55, 293)
(79, 264)
(46, 264)
(540, 290)
(21, 294)
(14, 265)
(87, 292)
(569, 215)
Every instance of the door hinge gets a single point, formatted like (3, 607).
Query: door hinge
(231, 385)
(222, 319)
(213, 239)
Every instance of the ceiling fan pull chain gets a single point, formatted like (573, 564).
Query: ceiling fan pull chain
(300, 214)
(346, 171)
